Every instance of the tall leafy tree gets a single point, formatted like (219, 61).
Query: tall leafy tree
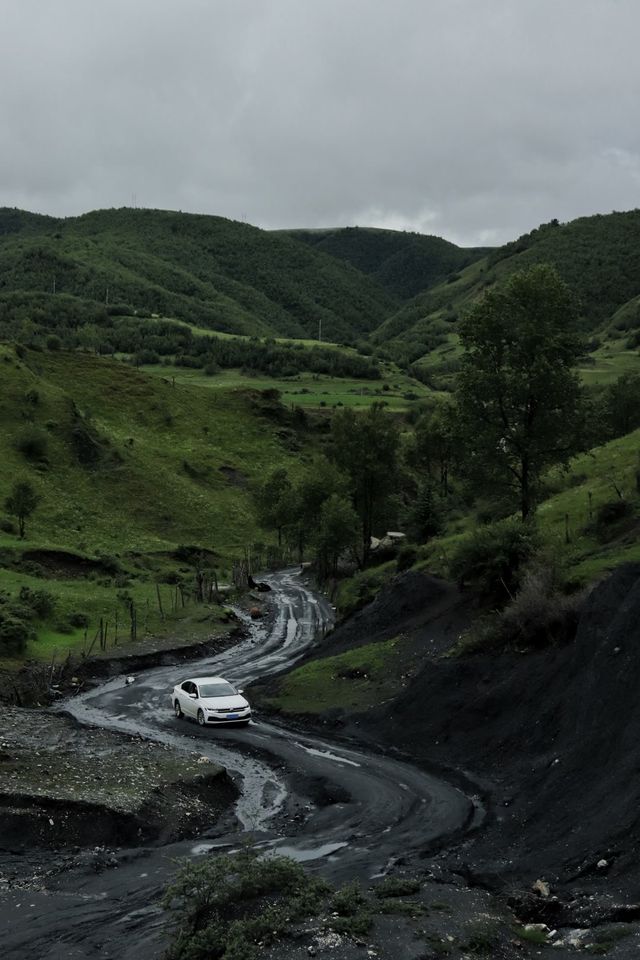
(273, 501)
(320, 480)
(434, 446)
(336, 532)
(365, 447)
(518, 392)
(21, 503)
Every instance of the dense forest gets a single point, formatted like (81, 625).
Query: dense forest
(213, 272)
(403, 263)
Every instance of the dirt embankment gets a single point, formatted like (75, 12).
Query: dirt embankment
(551, 736)
(62, 785)
(37, 684)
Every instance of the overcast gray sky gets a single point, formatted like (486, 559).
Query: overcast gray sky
(471, 119)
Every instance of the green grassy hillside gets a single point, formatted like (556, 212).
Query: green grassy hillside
(215, 272)
(599, 257)
(401, 262)
(135, 477)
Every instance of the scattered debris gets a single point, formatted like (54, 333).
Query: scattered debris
(541, 887)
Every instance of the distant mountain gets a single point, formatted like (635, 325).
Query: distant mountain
(598, 256)
(401, 262)
(218, 273)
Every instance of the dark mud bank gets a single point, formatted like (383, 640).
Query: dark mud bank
(556, 734)
(62, 785)
(174, 812)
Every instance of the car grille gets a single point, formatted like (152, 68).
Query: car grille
(213, 719)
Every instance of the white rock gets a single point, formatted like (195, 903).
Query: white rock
(602, 864)
(130, 679)
(541, 887)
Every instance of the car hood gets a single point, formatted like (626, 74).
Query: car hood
(225, 703)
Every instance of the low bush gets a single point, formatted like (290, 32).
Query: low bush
(611, 519)
(41, 602)
(33, 444)
(492, 558)
(229, 907)
(407, 556)
(14, 634)
(78, 619)
(540, 614)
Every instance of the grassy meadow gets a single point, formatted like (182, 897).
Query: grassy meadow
(135, 476)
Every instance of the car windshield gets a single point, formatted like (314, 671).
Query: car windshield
(216, 690)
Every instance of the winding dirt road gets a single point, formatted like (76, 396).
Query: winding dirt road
(348, 812)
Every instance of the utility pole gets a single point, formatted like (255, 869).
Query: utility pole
(320, 330)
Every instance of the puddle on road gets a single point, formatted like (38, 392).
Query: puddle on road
(303, 855)
(275, 848)
(327, 755)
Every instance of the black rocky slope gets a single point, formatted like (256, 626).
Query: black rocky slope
(553, 737)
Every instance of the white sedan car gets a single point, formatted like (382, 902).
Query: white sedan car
(210, 700)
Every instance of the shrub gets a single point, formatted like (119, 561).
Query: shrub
(79, 619)
(7, 526)
(41, 602)
(33, 444)
(110, 564)
(540, 614)
(14, 634)
(407, 556)
(490, 561)
(53, 342)
(397, 887)
(230, 906)
(87, 443)
(612, 511)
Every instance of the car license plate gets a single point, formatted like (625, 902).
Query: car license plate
(232, 716)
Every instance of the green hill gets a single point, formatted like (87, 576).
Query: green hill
(135, 476)
(403, 263)
(218, 273)
(599, 257)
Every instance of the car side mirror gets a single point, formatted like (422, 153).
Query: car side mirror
(193, 696)
(240, 690)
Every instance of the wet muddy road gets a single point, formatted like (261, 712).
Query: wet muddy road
(347, 812)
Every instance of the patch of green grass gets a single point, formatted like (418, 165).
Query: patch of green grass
(397, 390)
(531, 935)
(358, 590)
(175, 465)
(396, 887)
(352, 681)
(176, 627)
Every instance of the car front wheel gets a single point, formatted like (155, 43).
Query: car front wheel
(201, 719)
(177, 709)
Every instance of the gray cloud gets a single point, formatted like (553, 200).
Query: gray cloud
(475, 121)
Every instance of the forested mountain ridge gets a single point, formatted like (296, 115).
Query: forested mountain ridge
(402, 262)
(598, 256)
(218, 273)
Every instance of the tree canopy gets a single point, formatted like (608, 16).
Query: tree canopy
(518, 393)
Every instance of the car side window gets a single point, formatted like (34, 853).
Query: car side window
(194, 689)
(186, 686)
